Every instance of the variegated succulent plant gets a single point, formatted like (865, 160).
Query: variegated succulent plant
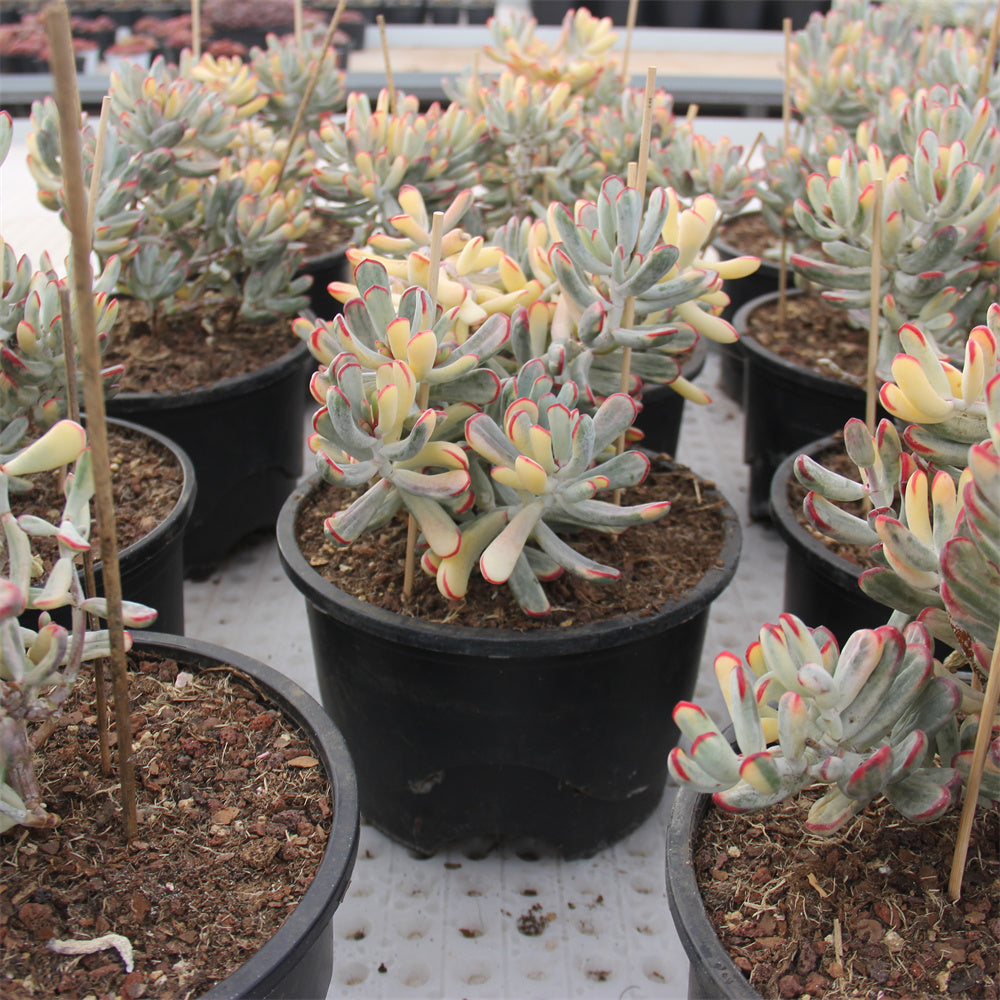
(565, 282)
(194, 209)
(362, 163)
(283, 69)
(581, 57)
(934, 522)
(38, 667)
(939, 227)
(882, 716)
(781, 182)
(482, 397)
(863, 720)
(34, 367)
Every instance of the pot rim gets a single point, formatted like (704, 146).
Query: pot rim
(499, 643)
(842, 570)
(698, 936)
(246, 384)
(175, 522)
(315, 909)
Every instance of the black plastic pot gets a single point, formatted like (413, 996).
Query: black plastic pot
(558, 736)
(662, 410)
(551, 11)
(775, 12)
(744, 15)
(152, 569)
(820, 586)
(786, 407)
(324, 268)
(244, 437)
(713, 975)
(298, 960)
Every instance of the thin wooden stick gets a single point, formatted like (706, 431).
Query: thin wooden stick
(753, 148)
(924, 41)
(68, 102)
(991, 53)
(983, 738)
(786, 119)
(311, 86)
(95, 177)
(390, 86)
(423, 395)
(195, 30)
(89, 579)
(633, 7)
(297, 22)
(874, 307)
(642, 166)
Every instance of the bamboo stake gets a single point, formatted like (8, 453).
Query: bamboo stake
(423, 395)
(95, 177)
(753, 148)
(991, 53)
(786, 118)
(68, 102)
(633, 7)
(924, 41)
(195, 30)
(297, 23)
(390, 86)
(983, 738)
(874, 307)
(311, 86)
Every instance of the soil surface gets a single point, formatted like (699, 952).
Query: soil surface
(187, 352)
(815, 335)
(234, 816)
(749, 233)
(659, 562)
(862, 914)
(146, 486)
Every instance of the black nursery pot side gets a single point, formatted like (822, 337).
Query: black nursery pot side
(712, 974)
(244, 437)
(558, 736)
(298, 960)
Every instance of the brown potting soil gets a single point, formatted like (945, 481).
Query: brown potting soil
(659, 562)
(188, 352)
(815, 335)
(862, 914)
(234, 816)
(146, 483)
